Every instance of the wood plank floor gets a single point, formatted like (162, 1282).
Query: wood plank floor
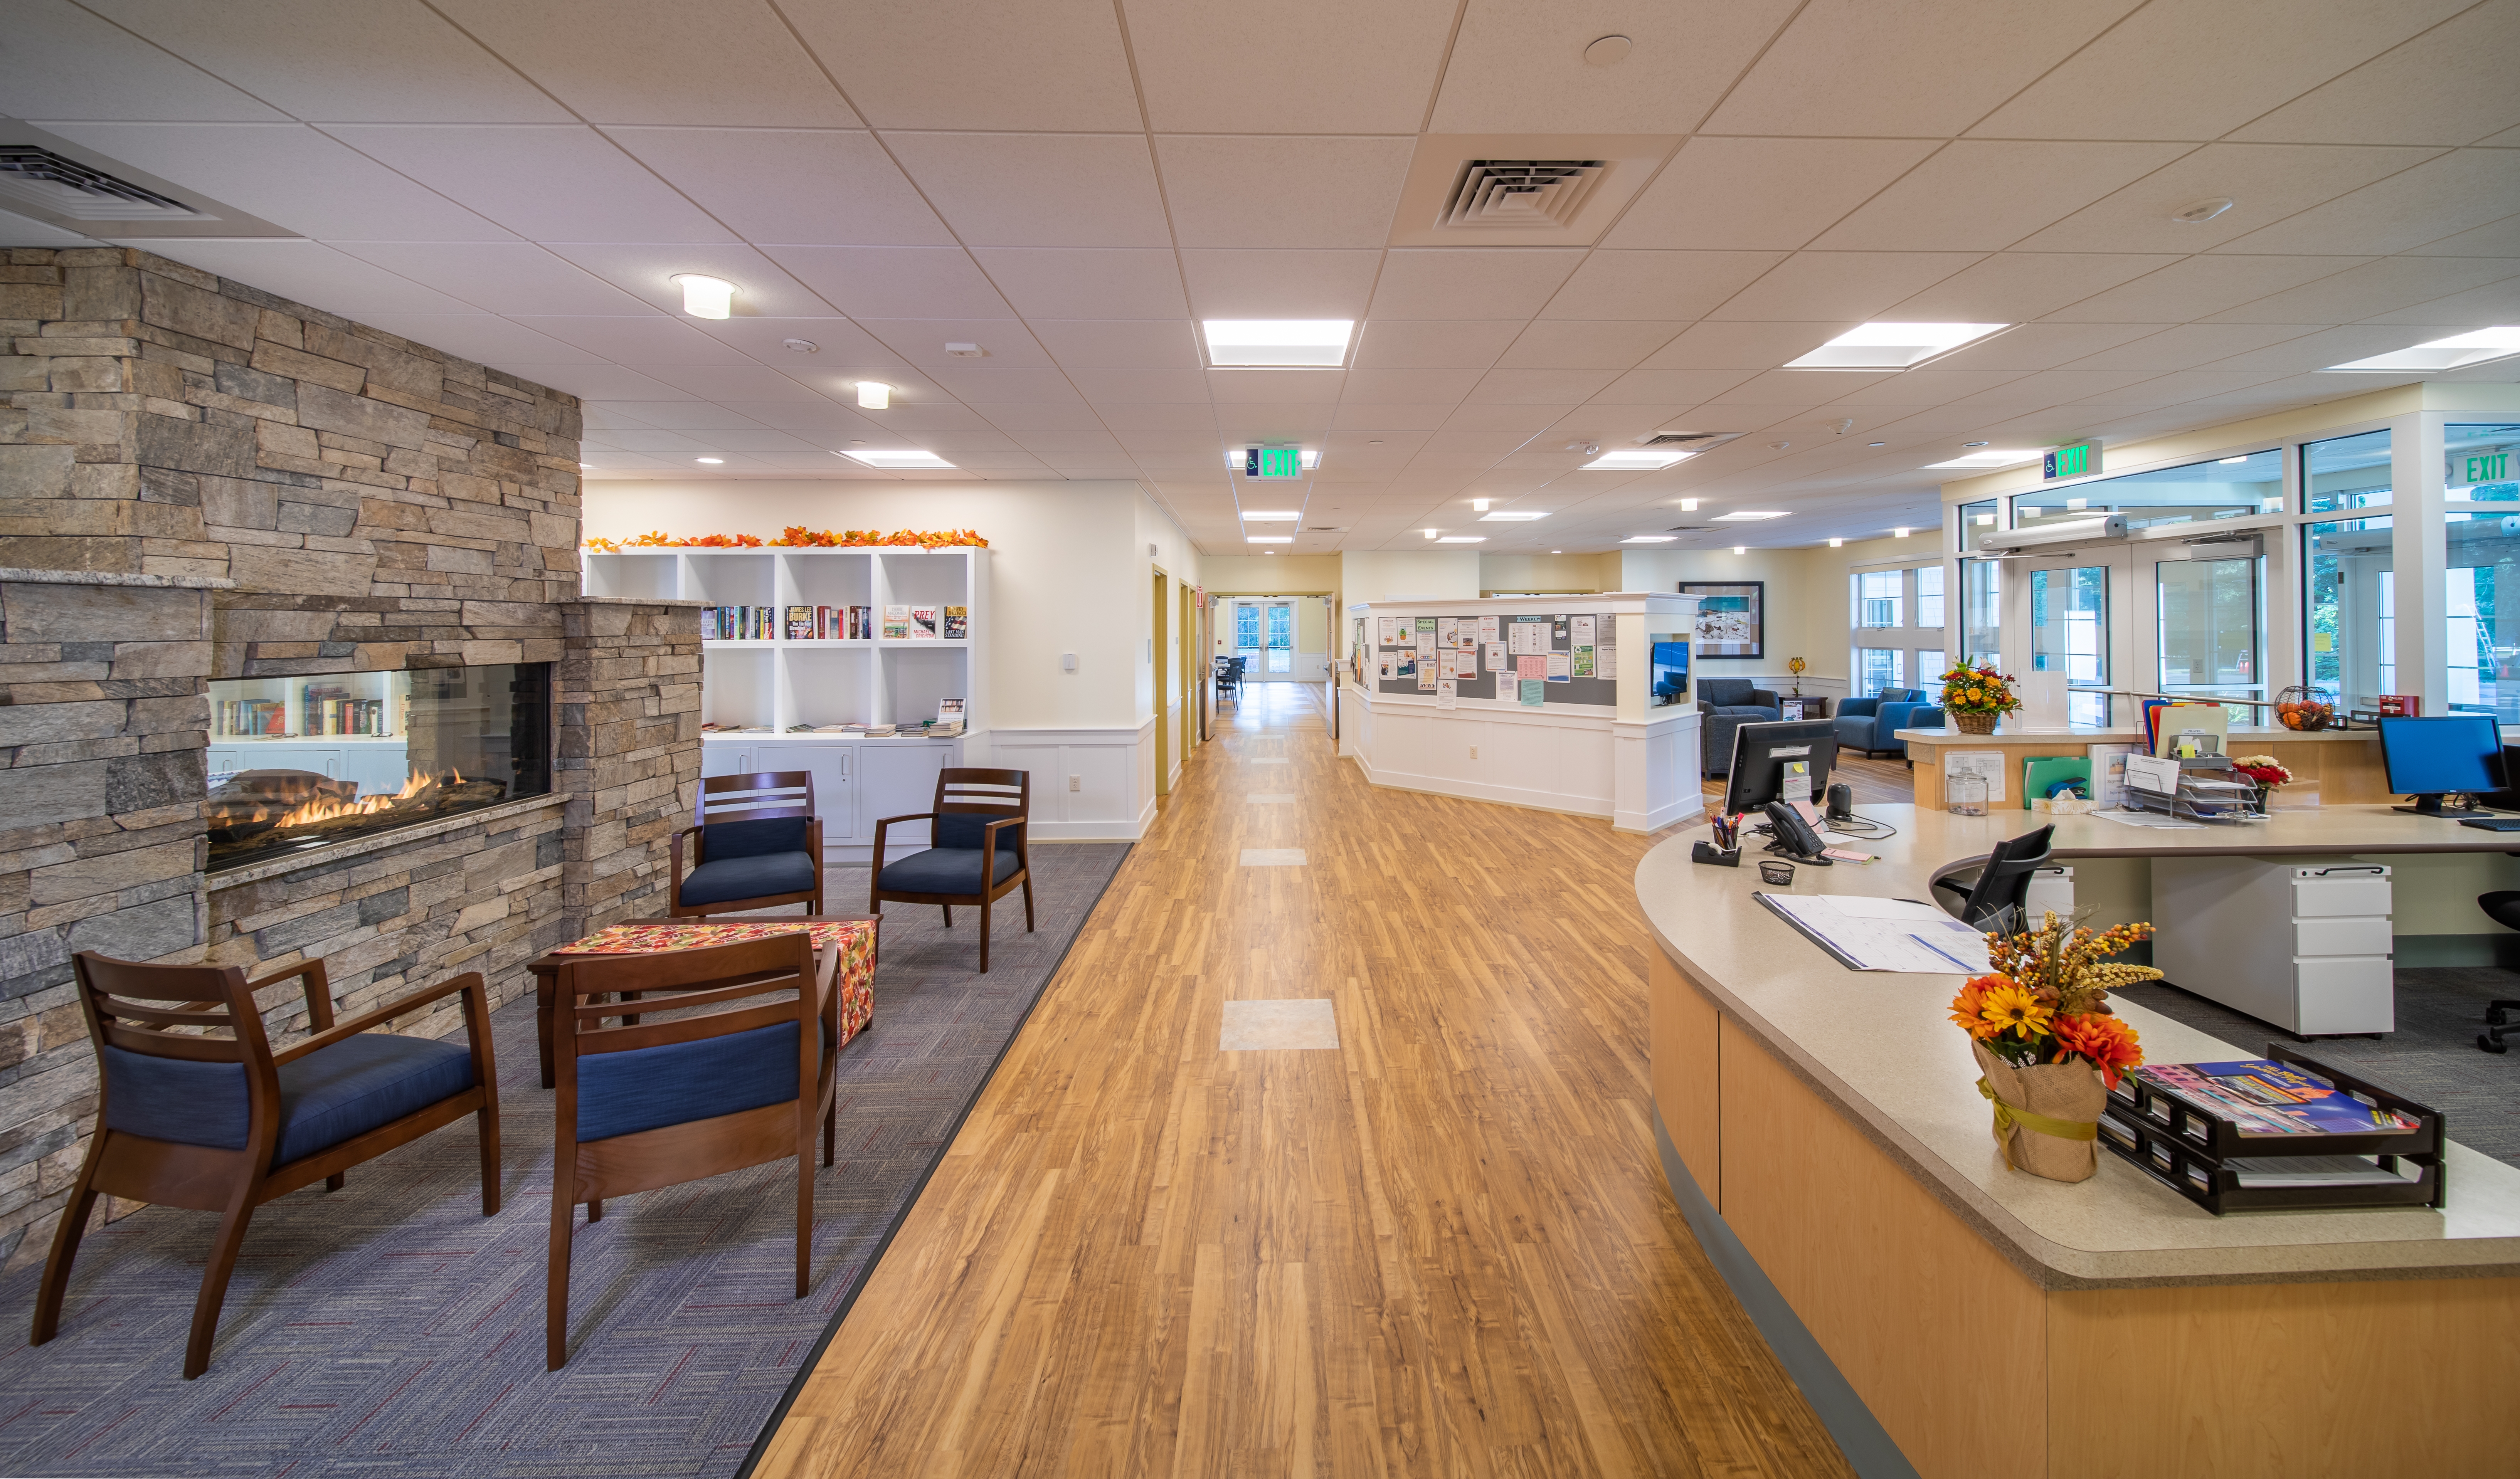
(1442, 1248)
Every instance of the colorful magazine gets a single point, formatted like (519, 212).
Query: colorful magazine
(2266, 1097)
(896, 623)
(958, 623)
(923, 623)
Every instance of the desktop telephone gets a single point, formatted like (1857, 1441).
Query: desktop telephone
(1794, 835)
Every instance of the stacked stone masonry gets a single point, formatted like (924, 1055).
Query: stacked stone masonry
(229, 485)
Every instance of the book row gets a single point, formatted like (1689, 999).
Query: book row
(826, 623)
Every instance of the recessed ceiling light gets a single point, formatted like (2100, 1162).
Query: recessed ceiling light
(1837, 544)
(1900, 532)
(873, 395)
(799, 346)
(1744, 515)
(1637, 460)
(1463, 539)
(1431, 533)
(1650, 539)
(1740, 549)
(1688, 506)
(711, 460)
(1557, 551)
(1271, 516)
(1278, 342)
(1993, 456)
(1513, 516)
(1891, 347)
(1609, 51)
(898, 460)
(2457, 352)
(1235, 459)
(1876, 444)
(1268, 539)
(706, 297)
(1479, 505)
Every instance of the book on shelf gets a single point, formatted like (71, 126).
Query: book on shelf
(949, 710)
(2261, 1096)
(958, 623)
(800, 623)
(896, 622)
(924, 623)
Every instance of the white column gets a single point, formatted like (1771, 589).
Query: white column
(2420, 558)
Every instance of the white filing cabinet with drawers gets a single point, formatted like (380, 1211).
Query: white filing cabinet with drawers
(2306, 946)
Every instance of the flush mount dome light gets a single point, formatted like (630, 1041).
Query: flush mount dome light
(1993, 456)
(706, 297)
(1637, 460)
(2457, 352)
(897, 460)
(1891, 347)
(873, 395)
(1277, 343)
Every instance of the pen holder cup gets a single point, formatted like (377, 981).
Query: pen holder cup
(1708, 852)
(1776, 873)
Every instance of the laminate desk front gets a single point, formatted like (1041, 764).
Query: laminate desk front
(1997, 1324)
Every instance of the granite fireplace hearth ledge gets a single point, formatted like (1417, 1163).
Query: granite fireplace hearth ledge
(638, 601)
(12, 575)
(419, 831)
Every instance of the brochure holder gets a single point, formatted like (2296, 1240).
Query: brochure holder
(2202, 1155)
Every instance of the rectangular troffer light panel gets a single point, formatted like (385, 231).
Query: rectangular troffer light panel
(1277, 343)
(1891, 347)
(1991, 458)
(1637, 460)
(2457, 352)
(898, 461)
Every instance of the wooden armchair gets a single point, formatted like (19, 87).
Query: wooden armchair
(664, 1101)
(224, 1124)
(977, 855)
(757, 844)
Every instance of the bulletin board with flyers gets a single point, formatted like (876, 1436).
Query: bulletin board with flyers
(1572, 656)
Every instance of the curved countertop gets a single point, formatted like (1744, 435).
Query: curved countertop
(1882, 1048)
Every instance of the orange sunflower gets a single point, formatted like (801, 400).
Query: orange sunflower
(2008, 1008)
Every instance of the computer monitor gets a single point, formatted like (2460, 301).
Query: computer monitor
(2430, 758)
(1764, 756)
(1670, 673)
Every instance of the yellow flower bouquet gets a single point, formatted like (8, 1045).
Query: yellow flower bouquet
(2047, 1045)
(1974, 698)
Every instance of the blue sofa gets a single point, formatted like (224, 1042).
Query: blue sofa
(1867, 724)
(1730, 703)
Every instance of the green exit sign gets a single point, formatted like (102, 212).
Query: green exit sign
(1272, 462)
(2494, 467)
(2074, 461)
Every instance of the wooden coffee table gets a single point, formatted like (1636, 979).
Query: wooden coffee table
(546, 969)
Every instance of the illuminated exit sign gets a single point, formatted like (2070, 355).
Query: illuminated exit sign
(2074, 461)
(1272, 462)
(2493, 467)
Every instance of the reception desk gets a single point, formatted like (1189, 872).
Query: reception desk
(1993, 1323)
(2329, 767)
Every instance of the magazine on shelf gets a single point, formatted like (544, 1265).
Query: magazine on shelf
(958, 623)
(2262, 1096)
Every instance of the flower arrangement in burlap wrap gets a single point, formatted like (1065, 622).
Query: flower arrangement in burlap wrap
(2046, 1043)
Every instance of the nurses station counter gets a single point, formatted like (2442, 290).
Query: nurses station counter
(1995, 1324)
(1613, 733)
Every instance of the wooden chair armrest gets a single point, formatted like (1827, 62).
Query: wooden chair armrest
(881, 826)
(318, 989)
(674, 847)
(469, 981)
(913, 817)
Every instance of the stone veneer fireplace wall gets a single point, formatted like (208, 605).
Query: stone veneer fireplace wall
(200, 481)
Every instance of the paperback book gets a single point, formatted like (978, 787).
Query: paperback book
(958, 623)
(924, 623)
(896, 622)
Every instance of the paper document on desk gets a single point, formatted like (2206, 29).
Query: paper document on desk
(1886, 934)
(2145, 819)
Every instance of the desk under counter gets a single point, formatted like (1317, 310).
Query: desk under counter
(1995, 1324)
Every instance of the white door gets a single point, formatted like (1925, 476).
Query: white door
(2072, 623)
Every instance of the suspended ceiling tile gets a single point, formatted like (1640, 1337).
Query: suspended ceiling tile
(63, 62)
(908, 419)
(1087, 282)
(756, 444)
(1470, 282)
(2498, 239)
(1840, 285)
(2169, 72)
(980, 383)
(598, 381)
(1038, 189)
(2460, 190)
(831, 186)
(1669, 387)
(2316, 351)
(1742, 345)
(1657, 284)
(818, 421)
(836, 341)
(500, 277)
(1520, 68)
(2493, 303)
(2266, 182)
(746, 381)
(2449, 85)
(1516, 422)
(1120, 345)
(1915, 68)
(1720, 194)
(1023, 420)
(1246, 190)
(923, 341)
(1293, 67)
(1432, 343)
(1276, 388)
(1050, 65)
(1410, 387)
(659, 61)
(1156, 416)
(761, 287)
(1982, 195)
(1182, 385)
(2200, 286)
(482, 337)
(1587, 344)
(1561, 388)
(2014, 287)
(649, 339)
(1354, 417)
(685, 414)
(1282, 282)
(2042, 346)
(869, 282)
(2374, 288)
(551, 184)
(306, 272)
(291, 176)
(1919, 388)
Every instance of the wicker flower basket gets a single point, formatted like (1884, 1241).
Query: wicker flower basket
(1973, 724)
(2046, 1116)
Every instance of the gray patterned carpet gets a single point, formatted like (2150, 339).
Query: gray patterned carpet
(390, 1329)
(2431, 1059)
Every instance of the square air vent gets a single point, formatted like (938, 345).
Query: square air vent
(1695, 441)
(1525, 193)
(52, 182)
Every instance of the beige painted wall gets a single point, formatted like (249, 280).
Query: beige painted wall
(1550, 573)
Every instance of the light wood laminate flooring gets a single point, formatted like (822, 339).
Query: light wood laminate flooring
(1443, 1247)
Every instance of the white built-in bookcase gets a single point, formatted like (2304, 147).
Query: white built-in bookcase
(779, 683)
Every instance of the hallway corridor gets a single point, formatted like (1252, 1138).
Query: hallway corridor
(1439, 1247)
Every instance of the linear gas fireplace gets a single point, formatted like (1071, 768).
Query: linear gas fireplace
(313, 758)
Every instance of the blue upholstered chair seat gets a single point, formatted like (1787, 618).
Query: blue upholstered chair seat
(1871, 724)
(945, 871)
(646, 1088)
(719, 879)
(329, 1096)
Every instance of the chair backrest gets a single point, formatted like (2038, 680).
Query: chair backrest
(969, 799)
(2002, 888)
(181, 1052)
(749, 816)
(1726, 692)
(679, 1063)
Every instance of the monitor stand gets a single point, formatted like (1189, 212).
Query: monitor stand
(2430, 806)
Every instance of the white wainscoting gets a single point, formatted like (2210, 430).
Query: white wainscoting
(1114, 773)
(1640, 776)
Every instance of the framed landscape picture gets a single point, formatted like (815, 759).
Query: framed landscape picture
(1732, 617)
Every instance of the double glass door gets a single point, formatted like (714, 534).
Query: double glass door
(1264, 638)
(2126, 619)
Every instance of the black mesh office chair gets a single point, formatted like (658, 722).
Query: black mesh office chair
(1999, 899)
(2502, 906)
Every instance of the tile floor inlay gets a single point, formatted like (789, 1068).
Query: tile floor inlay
(1250, 1026)
(1266, 797)
(1272, 857)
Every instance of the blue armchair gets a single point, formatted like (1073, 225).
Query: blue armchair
(1867, 724)
(1730, 703)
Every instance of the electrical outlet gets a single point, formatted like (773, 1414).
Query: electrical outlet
(1475, 752)
(1076, 782)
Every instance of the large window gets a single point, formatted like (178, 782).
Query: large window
(2069, 633)
(1878, 668)
(2227, 487)
(2352, 589)
(2482, 501)
(1929, 597)
(1877, 598)
(1982, 610)
(2212, 613)
(1977, 521)
(1282, 637)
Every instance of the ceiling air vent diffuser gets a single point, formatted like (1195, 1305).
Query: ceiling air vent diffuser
(1695, 441)
(1519, 193)
(42, 178)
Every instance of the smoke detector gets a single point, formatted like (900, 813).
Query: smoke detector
(799, 346)
(967, 351)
